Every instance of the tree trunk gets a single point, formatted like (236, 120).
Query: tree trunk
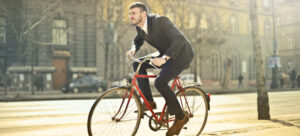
(262, 94)
(227, 75)
(20, 54)
(106, 63)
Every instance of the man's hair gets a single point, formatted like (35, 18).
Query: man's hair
(140, 5)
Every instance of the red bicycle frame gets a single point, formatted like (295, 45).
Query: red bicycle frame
(176, 83)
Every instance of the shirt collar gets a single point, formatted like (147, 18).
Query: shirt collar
(145, 27)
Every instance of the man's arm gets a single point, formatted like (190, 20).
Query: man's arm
(137, 42)
(173, 33)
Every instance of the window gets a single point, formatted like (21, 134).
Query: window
(216, 64)
(249, 26)
(268, 30)
(233, 2)
(234, 24)
(2, 30)
(278, 21)
(215, 1)
(193, 20)
(214, 20)
(251, 69)
(290, 44)
(59, 34)
(203, 21)
(288, 19)
(279, 43)
(2, 64)
(235, 66)
(267, 4)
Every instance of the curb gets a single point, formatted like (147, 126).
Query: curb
(57, 95)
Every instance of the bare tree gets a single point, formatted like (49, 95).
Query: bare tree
(227, 75)
(18, 19)
(110, 26)
(24, 17)
(262, 94)
(201, 30)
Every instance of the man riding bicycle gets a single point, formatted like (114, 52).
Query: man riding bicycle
(176, 54)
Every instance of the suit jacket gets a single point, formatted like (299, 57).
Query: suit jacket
(167, 39)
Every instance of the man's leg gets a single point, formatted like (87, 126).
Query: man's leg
(143, 83)
(168, 73)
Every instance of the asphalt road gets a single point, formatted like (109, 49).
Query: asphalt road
(228, 113)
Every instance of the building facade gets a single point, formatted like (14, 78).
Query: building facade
(85, 36)
(60, 40)
(288, 35)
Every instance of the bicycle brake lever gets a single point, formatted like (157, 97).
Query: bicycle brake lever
(151, 63)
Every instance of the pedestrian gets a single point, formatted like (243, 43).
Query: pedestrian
(298, 80)
(281, 80)
(39, 82)
(7, 82)
(293, 78)
(240, 78)
(1, 79)
(34, 81)
(176, 54)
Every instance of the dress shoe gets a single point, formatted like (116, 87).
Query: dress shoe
(177, 126)
(152, 105)
(145, 108)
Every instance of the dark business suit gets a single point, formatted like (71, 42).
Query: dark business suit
(168, 40)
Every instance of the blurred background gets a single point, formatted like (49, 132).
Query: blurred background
(56, 41)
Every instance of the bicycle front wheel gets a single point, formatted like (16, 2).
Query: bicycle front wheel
(195, 103)
(112, 114)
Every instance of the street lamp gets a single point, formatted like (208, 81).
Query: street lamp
(275, 57)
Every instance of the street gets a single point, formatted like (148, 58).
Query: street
(231, 114)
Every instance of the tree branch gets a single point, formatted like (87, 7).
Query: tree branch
(42, 18)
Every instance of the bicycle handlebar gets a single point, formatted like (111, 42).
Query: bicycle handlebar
(143, 61)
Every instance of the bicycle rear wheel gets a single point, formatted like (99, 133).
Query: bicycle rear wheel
(196, 105)
(110, 117)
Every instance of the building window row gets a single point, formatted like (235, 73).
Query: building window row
(59, 32)
(2, 30)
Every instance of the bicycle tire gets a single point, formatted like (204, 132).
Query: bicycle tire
(101, 120)
(198, 110)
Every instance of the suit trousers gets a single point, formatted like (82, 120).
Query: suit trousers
(169, 71)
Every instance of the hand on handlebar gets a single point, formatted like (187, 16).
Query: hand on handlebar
(130, 52)
(158, 61)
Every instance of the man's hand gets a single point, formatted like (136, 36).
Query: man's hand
(159, 61)
(132, 52)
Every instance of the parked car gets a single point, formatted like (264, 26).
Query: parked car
(116, 83)
(188, 79)
(89, 83)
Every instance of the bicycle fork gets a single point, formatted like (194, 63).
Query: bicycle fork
(122, 103)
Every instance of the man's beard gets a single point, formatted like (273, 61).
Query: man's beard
(139, 21)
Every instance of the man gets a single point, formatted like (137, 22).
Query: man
(40, 82)
(240, 80)
(176, 54)
(293, 78)
(298, 80)
(7, 82)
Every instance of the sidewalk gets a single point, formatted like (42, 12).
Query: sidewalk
(46, 95)
(288, 125)
(58, 95)
(279, 125)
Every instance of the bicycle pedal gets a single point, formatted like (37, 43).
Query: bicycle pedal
(145, 114)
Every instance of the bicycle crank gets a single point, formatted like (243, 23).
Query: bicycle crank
(156, 124)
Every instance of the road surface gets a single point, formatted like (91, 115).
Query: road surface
(231, 114)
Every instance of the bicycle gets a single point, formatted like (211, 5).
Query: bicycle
(118, 110)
